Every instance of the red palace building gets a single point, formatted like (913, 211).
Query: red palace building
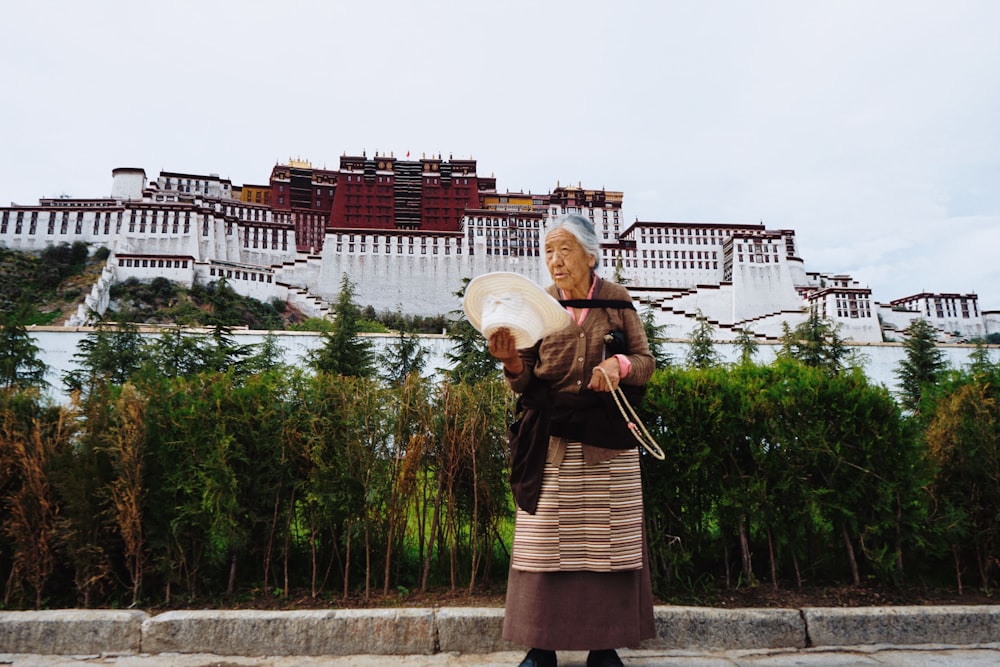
(429, 194)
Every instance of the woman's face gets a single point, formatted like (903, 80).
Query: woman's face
(568, 263)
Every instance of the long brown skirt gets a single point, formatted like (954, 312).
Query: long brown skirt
(580, 609)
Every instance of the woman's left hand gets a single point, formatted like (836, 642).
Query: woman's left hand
(598, 382)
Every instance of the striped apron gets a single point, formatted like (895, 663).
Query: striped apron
(589, 517)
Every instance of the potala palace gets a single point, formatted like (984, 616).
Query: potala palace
(407, 232)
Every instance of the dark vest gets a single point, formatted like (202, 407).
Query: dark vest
(589, 417)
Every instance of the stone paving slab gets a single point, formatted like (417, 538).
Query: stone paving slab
(874, 656)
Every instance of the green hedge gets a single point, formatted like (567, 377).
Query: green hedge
(218, 486)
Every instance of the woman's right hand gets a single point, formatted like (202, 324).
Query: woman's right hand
(502, 347)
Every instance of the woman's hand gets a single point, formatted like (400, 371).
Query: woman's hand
(600, 383)
(502, 347)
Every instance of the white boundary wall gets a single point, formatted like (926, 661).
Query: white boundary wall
(880, 360)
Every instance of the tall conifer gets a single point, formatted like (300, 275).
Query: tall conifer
(923, 365)
(344, 352)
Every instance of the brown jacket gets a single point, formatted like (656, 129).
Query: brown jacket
(566, 359)
(563, 363)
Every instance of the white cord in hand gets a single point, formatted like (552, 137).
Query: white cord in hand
(632, 419)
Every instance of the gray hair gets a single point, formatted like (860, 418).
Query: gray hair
(582, 230)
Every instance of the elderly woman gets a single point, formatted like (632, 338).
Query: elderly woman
(579, 575)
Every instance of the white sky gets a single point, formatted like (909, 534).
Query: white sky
(870, 127)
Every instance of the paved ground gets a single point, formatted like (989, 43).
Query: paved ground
(875, 656)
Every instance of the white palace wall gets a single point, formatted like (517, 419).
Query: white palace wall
(127, 183)
(714, 301)
(761, 290)
(188, 229)
(32, 229)
(174, 245)
(897, 320)
(412, 283)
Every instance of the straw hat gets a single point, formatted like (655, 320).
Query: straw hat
(502, 299)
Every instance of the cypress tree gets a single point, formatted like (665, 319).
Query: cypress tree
(923, 365)
(406, 355)
(815, 343)
(470, 356)
(747, 345)
(656, 338)
(702, 353)
(344, 352)
(20, 366)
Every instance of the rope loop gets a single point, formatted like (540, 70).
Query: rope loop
(635, 425)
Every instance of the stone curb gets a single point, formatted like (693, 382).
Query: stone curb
(71, 631)
(709, 628)
(471, 630)
(900, 626)
(309, 632)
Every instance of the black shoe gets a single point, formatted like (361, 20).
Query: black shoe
(538, 658)
(606, 658)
